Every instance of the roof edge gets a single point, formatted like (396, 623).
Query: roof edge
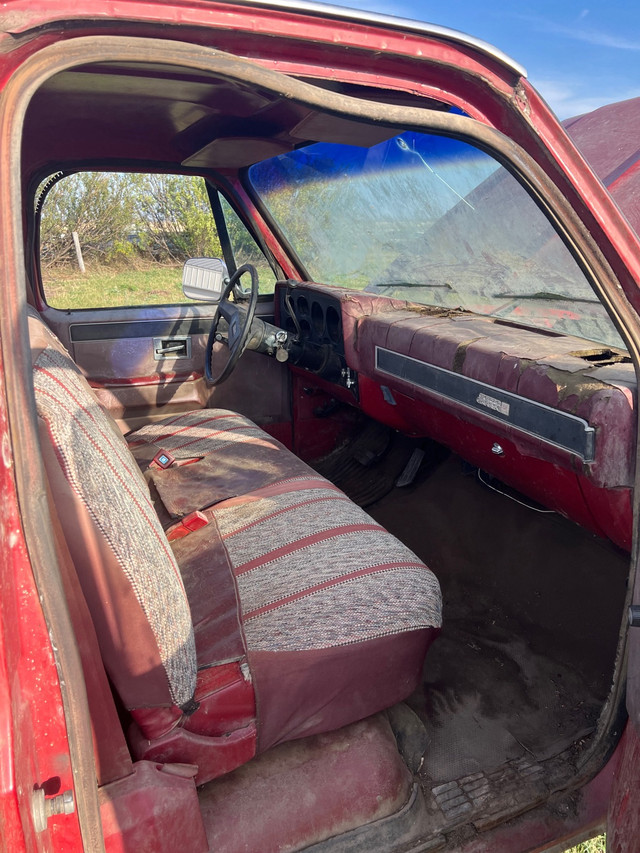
(390, 22)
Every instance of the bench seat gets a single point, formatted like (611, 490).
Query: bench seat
(287, 612)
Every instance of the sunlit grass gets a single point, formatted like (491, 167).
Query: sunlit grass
(113, 287)
(103, 287)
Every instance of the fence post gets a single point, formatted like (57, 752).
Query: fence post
(76, 243)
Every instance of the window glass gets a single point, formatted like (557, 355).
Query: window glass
(246, 250)
(116, 239)
(432, 220)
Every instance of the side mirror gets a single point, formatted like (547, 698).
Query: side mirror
(204, 279)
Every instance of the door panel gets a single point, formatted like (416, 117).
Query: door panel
(117, 349)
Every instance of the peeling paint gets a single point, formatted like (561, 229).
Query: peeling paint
(521, 100)
(7, 458)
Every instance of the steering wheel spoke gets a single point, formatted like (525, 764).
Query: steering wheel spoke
(239, 321)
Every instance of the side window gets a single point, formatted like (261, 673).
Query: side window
(118, 239)
(245, 249)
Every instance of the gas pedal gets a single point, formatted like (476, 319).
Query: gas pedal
(411, 468)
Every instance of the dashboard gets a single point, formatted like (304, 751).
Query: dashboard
(315, 319)
(549, 414)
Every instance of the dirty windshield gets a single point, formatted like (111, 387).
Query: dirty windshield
(432, 220)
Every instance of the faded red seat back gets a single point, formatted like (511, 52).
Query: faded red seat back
(126, 567)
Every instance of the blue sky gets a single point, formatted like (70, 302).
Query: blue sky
(579, 56)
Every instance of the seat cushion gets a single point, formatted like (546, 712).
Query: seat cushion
(329, 613)
(126, 568)
(218, 455)
(336, 612)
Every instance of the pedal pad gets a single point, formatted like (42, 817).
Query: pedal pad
(411, 468)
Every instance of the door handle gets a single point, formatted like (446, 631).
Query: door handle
(174, 347)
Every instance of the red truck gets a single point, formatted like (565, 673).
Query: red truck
(335, 549)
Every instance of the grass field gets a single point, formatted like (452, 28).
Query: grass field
(109, 287)
(104, 287)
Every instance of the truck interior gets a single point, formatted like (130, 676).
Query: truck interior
(368, 592)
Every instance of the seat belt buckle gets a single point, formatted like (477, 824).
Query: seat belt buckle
(163, 459)
(193, 521)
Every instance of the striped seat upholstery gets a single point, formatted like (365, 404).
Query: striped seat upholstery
(291, 612)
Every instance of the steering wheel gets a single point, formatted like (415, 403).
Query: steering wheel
(239, 325)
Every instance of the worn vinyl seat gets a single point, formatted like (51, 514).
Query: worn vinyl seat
(288, 613)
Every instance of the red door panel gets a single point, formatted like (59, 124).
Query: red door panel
(148, 362)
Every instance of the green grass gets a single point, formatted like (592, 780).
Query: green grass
(102, 287)
(594, 845)
(108, 287)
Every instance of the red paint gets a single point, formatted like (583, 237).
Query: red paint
(315, 435)
(623, 825)
(151, 809)
(33, 741)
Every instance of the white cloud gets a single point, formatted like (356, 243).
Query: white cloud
(597, 38)
(568, 98)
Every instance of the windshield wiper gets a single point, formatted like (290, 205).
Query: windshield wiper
(543, 294)
(401, 284)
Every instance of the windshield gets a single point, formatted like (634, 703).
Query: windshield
(432, 220)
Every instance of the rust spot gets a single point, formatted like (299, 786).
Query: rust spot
(520, 98)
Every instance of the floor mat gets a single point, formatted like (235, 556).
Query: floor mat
(485, 703)
(368, 467)
(532, 606)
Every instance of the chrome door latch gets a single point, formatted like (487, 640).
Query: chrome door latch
(42, 808)
(177, 346)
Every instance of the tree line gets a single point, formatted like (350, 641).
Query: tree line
(130, 218)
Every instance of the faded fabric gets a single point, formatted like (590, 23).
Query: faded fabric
(101, 473)
(219, 455)
(337, 613)
(335, 577)
(194, 434)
